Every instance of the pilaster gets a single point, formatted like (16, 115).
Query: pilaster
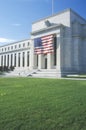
(6, 59)
(32, 62)
(58, 58)
(13, 60)
(3, 59)
(39, 61)
(16, 59)
(49, 61)
(25, 58)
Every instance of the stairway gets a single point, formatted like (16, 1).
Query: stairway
(17, 73)
(44, 73)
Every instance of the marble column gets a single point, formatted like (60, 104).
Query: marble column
(6, 59)
(58, 60)
(16, 59)
(49, 61)
(32, 58)
(3, 59)
(58, 57)
(13, 59)
(35, 61)
(25, 58)
(40, 61)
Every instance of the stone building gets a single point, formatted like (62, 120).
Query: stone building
(68, 30)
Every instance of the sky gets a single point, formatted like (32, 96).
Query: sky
(17, 16)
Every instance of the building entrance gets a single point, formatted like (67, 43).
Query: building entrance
(45, 63)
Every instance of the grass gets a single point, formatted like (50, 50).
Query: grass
(42, 104)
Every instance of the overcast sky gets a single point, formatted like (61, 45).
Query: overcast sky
(16, 16)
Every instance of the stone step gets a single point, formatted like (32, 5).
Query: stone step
(47, 70)
(44, 73)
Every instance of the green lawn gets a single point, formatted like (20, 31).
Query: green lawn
(42, 104)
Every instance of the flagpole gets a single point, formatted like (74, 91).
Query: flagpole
(52, 6)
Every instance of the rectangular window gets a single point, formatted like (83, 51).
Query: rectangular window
(23, 44)
(18, 59)
(5, 60)
(8, 48)
(19, 45)
(2, 61)
(23, 59)
(11, 59)
(8, 60)
(37, 60)
(12, 47)
(15, 60)
(15, 46)
(28, 44)
(28, 58)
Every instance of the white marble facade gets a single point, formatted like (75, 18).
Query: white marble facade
(17, 54)
(70, 57)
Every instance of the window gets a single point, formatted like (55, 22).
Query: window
(8, 48)
(15, 60)
(28, 58)
(11, 59)
(28, 44)
(18, 59)
(1, 60)
(8, 60)
(5, 60)
(2, 49)
(23, 59)
(15, 46)
(11, 47)
(19, 45)
(23, 44)
(5, 49)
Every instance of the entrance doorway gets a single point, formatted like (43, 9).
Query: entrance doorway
(45, 63)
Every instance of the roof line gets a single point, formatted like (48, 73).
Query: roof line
(14, 42)
(77, 14)
(68, 9)
(52, 15)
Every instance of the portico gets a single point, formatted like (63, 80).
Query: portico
(49, 60)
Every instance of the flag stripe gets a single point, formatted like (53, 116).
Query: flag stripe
(44, 44)
(47, 43)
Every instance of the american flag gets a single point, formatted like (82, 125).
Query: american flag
(44, 44)
(38, 46)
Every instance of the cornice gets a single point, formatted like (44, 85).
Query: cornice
(47, 29)
(15, 42)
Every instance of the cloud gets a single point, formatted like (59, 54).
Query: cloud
(16, 24)
(5, 41)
